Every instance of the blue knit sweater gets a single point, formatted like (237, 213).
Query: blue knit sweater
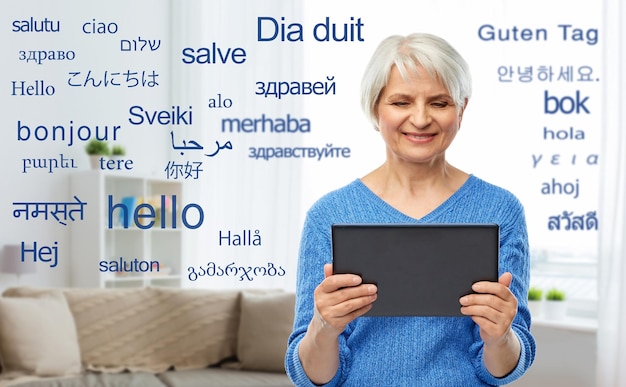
(412, 351)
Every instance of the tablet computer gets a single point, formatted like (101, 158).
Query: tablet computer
(420, 269)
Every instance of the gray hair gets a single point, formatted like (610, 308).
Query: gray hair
(431, 52)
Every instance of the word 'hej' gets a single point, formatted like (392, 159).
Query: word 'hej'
(48, 254)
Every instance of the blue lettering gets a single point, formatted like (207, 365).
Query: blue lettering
(146, 211)
(565, 105)
(489, 33)
(345, 32)
(94, 27)
(292, 32)
(176, 116)
(32, 25)
(266, 124)
(213, 55)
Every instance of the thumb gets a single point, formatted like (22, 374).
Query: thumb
(328, 270)
(506, 279)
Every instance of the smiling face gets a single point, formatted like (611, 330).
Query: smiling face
(417, 118)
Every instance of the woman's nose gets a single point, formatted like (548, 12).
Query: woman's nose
(420, 117)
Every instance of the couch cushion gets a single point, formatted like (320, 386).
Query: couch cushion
(219, 377)
(138, 379)
(153, 329)
(264, 328)
(38, 336)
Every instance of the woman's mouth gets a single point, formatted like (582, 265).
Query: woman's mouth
(419, 136)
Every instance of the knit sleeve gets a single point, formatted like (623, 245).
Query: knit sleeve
(514, 258)
(315, 251)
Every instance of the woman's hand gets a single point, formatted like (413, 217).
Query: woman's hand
(493, 309)
(341, 298)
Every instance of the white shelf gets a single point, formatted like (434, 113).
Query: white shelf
(568, 323)
(100, 237)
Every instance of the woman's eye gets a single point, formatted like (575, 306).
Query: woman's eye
(400, 103)
(440, 104)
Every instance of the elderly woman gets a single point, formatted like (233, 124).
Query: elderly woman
(415, 90)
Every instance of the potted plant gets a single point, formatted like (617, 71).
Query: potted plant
(535, 297)
(118, 150)
(555, 304)
(96, 149)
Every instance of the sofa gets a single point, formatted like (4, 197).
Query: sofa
(144, 337)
